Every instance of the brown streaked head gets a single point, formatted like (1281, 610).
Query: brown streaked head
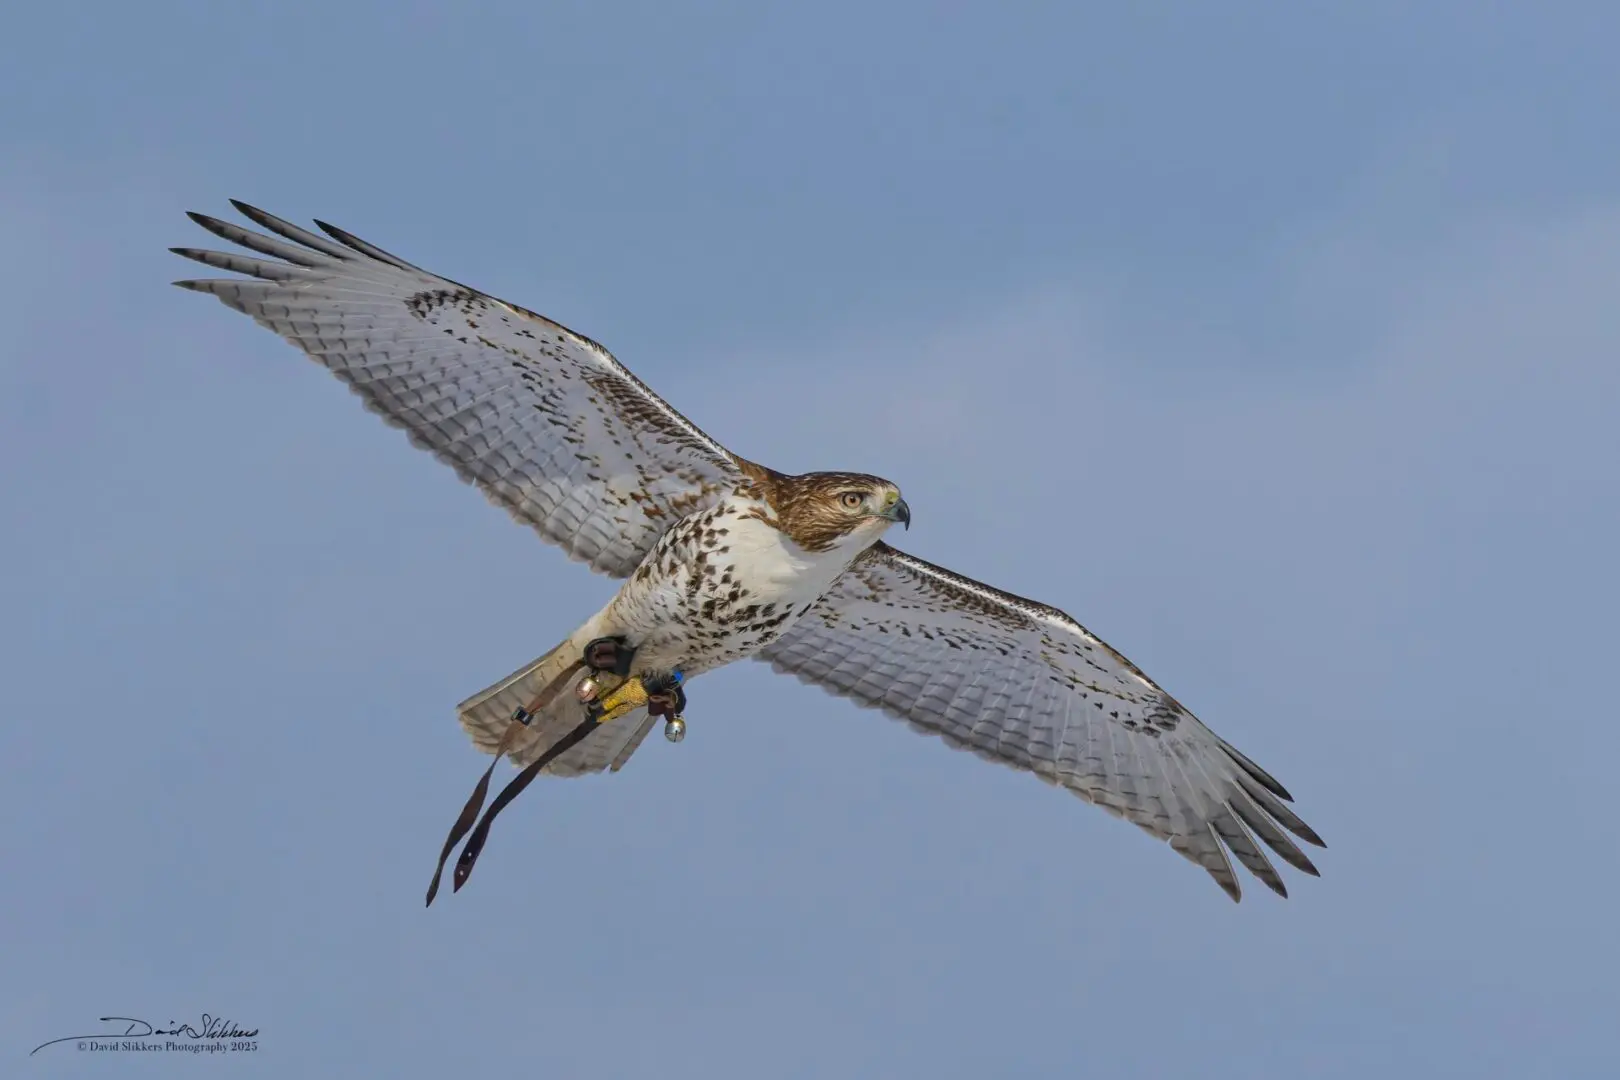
(823, 509)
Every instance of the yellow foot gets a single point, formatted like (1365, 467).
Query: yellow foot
(661, 696)
(630, 696)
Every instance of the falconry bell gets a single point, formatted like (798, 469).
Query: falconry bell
(675, 729)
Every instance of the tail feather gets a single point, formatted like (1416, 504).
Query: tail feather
(485, 715)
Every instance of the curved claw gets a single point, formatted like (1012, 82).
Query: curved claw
(661, 696)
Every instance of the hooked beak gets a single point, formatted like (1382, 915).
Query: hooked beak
(898, 512)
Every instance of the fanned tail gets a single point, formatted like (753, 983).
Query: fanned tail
(486, 714)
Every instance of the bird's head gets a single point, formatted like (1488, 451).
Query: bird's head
(825, 510)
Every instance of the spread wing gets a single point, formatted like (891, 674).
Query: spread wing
(1023, 684)
(543, 420)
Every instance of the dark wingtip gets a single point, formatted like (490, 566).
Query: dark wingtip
(344, 236)
(1265, 779)
(341, 235)
(1270, 782)
(1298, 860)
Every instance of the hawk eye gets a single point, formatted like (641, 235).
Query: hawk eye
(852, 500)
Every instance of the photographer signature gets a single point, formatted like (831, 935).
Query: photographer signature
(213, 1027)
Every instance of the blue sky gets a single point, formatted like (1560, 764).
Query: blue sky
(1275, 345)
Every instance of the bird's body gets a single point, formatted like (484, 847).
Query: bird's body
(723, 559)
(718, 586)
(721, 585)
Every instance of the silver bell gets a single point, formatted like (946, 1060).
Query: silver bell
(586, 690)
(675, 729)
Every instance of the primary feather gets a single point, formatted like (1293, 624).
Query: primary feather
(543, 420)
(1023, 684)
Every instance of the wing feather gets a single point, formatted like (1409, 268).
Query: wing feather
(1023, 684)
(541, 419)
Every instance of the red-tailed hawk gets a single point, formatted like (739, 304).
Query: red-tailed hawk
(724, 559)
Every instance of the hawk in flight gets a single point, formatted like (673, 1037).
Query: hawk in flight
(722, 559)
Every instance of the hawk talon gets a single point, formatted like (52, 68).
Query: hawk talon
(662, 696)
(665, 697)
(629, 696)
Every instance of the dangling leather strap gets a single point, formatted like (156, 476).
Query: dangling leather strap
(475, 843)
(475, 801)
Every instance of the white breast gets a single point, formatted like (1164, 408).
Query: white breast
(720, 585)
(774, 568)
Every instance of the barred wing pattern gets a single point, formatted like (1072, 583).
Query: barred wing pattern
(543, 420)
(1023, 684)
